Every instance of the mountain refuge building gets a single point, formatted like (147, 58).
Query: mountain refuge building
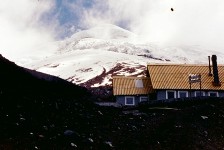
(171, 81)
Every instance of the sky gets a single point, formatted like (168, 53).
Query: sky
(25, 25)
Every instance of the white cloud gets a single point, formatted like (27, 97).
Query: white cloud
(21, 29)
(192, 21)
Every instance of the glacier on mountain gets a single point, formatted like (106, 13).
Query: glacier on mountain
(94, 53)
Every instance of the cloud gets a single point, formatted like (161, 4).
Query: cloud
(192, 22)
(21, 27)
(27, 25)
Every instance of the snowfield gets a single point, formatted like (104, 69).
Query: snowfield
(93, 56)
(82, 65)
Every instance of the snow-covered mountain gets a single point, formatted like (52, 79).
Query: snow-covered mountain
(91, 57)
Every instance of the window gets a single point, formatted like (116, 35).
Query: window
(170, 94)
(213, 94)
(129, 100)
(139, 83)
(143, 99)
(199, 93)
(182, 94)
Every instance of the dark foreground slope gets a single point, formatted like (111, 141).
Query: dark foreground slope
(22, 81)
(40, 114)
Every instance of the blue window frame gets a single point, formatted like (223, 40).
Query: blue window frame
(130, 100)
(213, 94)
(170, 94)
(182, 94)
(199, 93)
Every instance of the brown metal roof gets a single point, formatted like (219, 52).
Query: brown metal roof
(171, 76)
(126, 85)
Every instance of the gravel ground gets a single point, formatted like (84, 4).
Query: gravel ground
(74, 124)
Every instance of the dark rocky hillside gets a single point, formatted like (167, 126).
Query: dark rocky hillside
(22, 81)
(42, 112)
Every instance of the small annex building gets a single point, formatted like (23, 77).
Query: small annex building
(131, 90)
(171, 81)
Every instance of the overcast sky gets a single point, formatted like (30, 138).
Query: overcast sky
(27, 24)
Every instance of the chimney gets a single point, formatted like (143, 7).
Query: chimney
(215, 71)
(209, 66)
